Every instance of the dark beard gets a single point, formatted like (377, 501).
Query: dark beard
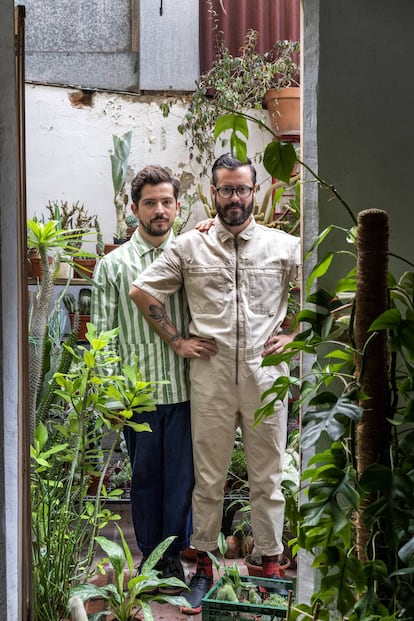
(234, 220)
(155, 232)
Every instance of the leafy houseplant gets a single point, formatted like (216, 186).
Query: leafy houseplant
(126, 601)
(240, 597)
(356, 520)
(66, 454)
(233, 84)
(75, 217)
(50, 242)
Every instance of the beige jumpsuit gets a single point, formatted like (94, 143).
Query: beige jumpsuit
(237, 291)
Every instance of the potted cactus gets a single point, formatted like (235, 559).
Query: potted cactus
(79, 311)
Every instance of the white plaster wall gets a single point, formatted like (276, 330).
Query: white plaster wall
(68, 149)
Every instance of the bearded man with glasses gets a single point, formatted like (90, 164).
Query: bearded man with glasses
(236, 277)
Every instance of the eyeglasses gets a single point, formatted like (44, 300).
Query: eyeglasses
(242, 191)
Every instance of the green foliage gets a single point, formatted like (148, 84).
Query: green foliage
(356, 586)
(238, 465)
(47, 236)
(279, 157)
(67, 455)
(125, 602)
(230, 574)
(234, 84)
(72, 217)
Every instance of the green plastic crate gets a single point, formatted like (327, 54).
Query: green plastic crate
(217, 610)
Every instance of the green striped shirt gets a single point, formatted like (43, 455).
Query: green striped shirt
(112, 307)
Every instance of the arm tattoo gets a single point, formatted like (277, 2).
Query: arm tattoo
(159, 315)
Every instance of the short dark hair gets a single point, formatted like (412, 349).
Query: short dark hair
(152, 175)
(228, 161)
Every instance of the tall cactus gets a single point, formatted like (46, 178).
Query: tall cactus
(119, 164)
(50, 241)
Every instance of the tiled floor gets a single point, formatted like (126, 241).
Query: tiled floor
(162, 612)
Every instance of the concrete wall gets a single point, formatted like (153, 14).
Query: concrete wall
(359, 111)
(125, 45)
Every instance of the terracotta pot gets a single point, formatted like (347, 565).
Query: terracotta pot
(257, 570)
(233, 547)
(36, 270)
(82, 328)
(36, 264)
(84, 267)
(283, 106)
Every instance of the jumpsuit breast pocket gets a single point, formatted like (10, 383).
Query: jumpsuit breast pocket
(265, 289)
(205, 287)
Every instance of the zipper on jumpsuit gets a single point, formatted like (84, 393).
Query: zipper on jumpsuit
(236, 248)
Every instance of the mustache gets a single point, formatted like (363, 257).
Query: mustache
(233, 204)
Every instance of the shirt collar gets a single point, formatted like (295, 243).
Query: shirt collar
(142, 246)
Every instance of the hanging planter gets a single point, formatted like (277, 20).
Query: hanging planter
(283, 106)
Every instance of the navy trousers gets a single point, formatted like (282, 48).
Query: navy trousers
(162, 477)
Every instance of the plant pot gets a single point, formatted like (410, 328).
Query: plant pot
(36, 267)
(109, 247)
(82, 327)
(84, 267)
(36, 270)
(233, 547)
(283, 106)
(257, 570)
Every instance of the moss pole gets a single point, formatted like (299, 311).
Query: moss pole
(371, 366)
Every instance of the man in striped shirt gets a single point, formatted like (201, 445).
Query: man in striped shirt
(162, 467)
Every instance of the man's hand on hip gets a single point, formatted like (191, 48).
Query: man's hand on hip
(196, 347)
(276, 343)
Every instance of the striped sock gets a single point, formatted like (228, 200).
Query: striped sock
(204, 564)
(271, 566)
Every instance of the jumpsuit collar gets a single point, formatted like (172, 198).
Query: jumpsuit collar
(224, 234)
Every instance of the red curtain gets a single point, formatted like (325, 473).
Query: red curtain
(273, 19)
